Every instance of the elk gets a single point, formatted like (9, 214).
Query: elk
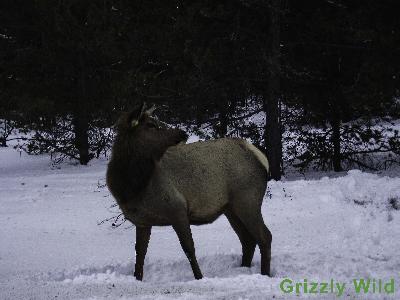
(158, 180)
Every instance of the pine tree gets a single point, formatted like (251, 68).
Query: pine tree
(334, 56)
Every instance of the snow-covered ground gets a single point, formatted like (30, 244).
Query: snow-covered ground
(51, 247)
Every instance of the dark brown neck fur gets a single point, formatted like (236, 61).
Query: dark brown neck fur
(134, 158)
(130, 168)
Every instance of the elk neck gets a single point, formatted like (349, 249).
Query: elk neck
(132, 165)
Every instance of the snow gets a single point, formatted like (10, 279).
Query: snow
(51, 246)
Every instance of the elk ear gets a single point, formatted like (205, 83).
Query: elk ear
(136, 115)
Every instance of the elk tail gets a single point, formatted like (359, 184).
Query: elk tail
(259, 155)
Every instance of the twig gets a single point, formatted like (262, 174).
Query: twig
(115, 218)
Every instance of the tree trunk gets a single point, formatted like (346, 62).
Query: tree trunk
(3, 139)
(81, 118)
(81, 127)
(3, 142)
(273, 138)
(222, 126)
(336, 158)
(272, 132)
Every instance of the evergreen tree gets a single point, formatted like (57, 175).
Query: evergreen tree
(65, 57)
(334, 52)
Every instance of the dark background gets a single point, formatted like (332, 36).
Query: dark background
(324, 73)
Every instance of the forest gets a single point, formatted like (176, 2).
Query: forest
(314, 84)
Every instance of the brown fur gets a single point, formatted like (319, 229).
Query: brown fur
(135, 153)
(157, 181)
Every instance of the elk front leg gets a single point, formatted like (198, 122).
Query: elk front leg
(142, 242)
(184, 233)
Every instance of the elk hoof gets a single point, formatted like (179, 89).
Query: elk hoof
(138, 275)
(266, 273)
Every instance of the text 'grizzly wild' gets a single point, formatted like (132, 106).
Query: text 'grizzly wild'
(159, 181)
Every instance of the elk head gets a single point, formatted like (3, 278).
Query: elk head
(141, 132)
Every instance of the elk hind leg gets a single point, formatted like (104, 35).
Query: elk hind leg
(246, 239)
(263, 237)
